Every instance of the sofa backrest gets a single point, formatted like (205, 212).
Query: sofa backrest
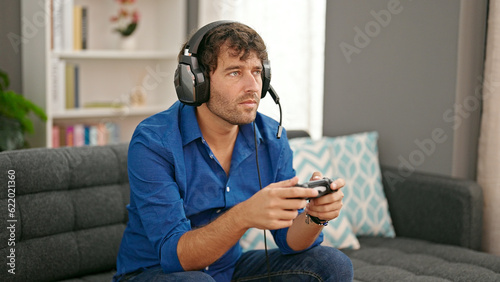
(64, 210)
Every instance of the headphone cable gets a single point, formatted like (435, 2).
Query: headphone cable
(260, 188)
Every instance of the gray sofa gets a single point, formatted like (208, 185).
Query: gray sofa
(69, 216)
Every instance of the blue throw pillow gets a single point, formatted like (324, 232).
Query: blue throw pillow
(310, 156)
(355, 158)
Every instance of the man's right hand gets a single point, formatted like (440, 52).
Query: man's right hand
(275, 206)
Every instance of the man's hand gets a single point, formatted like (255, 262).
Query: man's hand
(275, 206)
(327, 207)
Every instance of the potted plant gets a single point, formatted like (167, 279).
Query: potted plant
(126, 22)
(14, 121)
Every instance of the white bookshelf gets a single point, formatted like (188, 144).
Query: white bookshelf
(113, 54)
(119, 112)
(107, 74)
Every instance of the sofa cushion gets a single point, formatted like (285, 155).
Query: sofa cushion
(404, 259)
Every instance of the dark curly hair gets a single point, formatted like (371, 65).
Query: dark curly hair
(240, 38)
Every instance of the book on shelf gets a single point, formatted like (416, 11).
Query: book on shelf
(65, 91)
(84, 27)
(80, 134)
(56, 135)
(77, 27)
(58, 69)
(70, 136)
(76, 81)
(56, 14)
(92, 135)
(72, 86)
(80, 27)
(62, 24)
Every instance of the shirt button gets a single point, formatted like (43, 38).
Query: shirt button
(217, 211)
(227, 189)
(206, 268)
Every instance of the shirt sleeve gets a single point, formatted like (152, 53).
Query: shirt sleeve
(286, 171)
(156, 197)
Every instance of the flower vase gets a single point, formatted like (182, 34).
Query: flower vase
(128, 43)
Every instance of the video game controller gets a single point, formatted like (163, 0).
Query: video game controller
(322, 186)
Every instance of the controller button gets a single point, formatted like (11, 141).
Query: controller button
(321, 189)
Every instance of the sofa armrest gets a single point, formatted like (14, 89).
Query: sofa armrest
(435, 208)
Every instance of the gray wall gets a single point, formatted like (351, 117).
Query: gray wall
(399, 67)
(10, 29)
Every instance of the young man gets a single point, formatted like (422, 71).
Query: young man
(195, 184)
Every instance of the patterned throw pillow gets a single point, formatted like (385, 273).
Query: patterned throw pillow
(355, 158)
(310, 156)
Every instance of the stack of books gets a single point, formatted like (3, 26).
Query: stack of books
(69, 33)
(76, 135)
(69, 26)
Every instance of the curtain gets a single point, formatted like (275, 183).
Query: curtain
(294, 33)
(489, 140)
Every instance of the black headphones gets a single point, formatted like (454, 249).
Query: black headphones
(191, 85)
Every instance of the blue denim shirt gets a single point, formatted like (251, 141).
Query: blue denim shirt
(177, 184)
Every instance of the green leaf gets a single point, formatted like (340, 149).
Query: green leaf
(15, 106)
(4, 80)
(130, 29)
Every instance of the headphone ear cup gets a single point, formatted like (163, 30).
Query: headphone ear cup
(190, 84)
(202, 92)
(184, 82)
(266, 78)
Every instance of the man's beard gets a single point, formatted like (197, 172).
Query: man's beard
(230, 111)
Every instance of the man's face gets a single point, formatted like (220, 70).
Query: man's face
(235, 87)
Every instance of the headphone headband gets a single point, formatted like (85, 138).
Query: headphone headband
(196, 39)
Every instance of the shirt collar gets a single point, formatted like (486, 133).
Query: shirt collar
(190, 130)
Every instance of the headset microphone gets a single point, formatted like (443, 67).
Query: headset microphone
(276, 99)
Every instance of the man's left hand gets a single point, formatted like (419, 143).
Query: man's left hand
(328, 206)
